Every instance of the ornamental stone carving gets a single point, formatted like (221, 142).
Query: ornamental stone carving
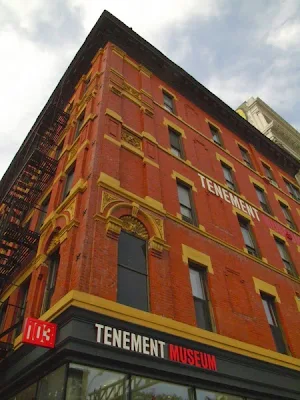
(131, 139)
(134, 226)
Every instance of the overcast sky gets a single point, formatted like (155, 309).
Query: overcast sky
(237, 49)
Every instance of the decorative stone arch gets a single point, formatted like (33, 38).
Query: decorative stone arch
(131, 218)
(53, 229)
(53, 242)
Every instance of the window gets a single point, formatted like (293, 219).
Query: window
(199, 290)
(186, 206)
(285, 257)
(24, 288)
(3, 309)
(132, 272)
(228, 175)
(176, 143)
(270, 311)
(215, 135)
(269, 174)
(42, 214)
(86, 84)
(93, 383)
(262, 199)
(169, 102)
(79, 123)
(288, 216)
(246, 157)
(248, 237)
(68, 182)
(53, 264)
(59, 150)
(293, 190)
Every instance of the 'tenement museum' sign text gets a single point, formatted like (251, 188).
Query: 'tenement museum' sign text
(125, 340)
(229, 197)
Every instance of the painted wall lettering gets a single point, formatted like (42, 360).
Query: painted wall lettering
(229, 197)
(125, 340)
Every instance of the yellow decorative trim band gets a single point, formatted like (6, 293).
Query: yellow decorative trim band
(190, 254)
(150, 137)
(109, 180)
(167, 325)
(225, 161)
(151, 162)
(176, 175)
(112, 140)
(297, 299)
(261, 286)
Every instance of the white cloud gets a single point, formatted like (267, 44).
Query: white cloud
(285, 37)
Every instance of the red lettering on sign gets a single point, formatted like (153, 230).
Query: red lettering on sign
(39, 333)
(192, 357)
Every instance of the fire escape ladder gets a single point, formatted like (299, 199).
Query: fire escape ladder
(28, 182)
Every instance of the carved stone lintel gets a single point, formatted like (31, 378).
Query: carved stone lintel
(132, 139)
(135, 209)
(113, 227)
(156, 246)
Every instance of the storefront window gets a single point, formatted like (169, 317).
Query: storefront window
(26, 394)
(51, 387)
(85, 383)
(150, 389)
(205, 395)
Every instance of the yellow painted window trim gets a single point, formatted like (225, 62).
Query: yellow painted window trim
(213, 124)
(246, 216)
(190, 254)
(266, 163)
(164, 89)
(176, 175)
(257, 183)
(262, 286)
(290, 181)
(278, 236)
(224, 160)
(177, 128)
(281, 200)
(297, 299)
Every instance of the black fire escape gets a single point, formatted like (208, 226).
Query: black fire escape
(26, 179)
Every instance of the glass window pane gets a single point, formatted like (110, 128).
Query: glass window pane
(247, 236)
(132, 289)
(197, 284)
(186, 212)
(281, 249)
(183, 195)
(132, 252)
(26, 394)
(202, 314)
(51, 387)
(150, 389)
(175, 152)
(206, 395)
(93, 383)
(227, 174)
(268, 312)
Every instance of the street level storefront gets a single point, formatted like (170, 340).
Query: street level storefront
(99, 357)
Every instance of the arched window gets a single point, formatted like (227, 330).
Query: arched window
(53, 263)
(132, 265)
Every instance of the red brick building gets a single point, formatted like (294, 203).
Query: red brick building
(158, 229)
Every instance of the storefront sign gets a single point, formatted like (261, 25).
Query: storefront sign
(229, 197)
(39, 333)
(153, 347)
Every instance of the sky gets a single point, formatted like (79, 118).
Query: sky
(237, 49)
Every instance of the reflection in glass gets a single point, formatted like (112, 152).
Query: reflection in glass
(26, 394)
(51, 387)
(205, 395)
(150, 389)
(85, 383)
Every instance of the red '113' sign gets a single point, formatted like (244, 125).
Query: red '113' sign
(39, 333)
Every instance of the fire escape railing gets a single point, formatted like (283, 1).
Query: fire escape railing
(28, 182)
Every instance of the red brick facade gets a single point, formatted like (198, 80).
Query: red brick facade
(124, 167)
